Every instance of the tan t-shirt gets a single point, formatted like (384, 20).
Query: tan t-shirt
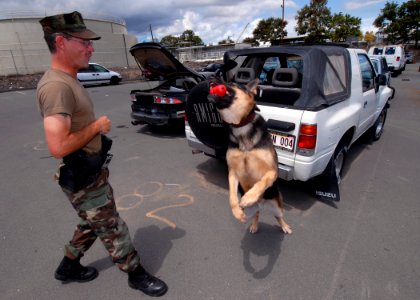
(60, 93)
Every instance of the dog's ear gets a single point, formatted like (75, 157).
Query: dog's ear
(252, 86)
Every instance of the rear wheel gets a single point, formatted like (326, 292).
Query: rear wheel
(336, 165)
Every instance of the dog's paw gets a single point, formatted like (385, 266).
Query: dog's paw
(253, 228)
(239, 215)
(286, 229)
(247, 201)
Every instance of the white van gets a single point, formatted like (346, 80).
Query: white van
(376, 50)
(394, 54)
(395, 57)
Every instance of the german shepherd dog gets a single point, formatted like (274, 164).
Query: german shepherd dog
(251, 157)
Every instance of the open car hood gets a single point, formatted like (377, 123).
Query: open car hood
(160, 62)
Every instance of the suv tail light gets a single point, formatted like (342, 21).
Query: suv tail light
(307, 139)
(398, 58)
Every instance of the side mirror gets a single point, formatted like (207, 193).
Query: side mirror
(381, 79)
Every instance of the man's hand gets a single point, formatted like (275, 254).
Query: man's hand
(104, 124)
(61, 141)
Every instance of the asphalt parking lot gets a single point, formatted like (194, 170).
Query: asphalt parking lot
(176, 205)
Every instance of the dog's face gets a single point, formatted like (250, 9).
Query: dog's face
(237, 103)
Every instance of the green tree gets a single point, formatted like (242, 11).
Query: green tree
(386, 21)
(269, 30)
(409, 19)
(250, 40)
(188, 38)
(226, 41)
(344, 27)
(169, 41)
(314, 21)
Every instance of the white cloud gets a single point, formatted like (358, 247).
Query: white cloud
(212, 20)
(357, 4)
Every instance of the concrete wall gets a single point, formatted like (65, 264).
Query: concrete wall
(24, 51)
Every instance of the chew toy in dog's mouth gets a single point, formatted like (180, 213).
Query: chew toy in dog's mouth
(219, 90)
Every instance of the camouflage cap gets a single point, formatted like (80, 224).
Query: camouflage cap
(71, 23)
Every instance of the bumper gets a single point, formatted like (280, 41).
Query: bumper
(156, 118)
(302, 168)
(197, 145)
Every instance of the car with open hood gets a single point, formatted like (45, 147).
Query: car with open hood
(161, 101)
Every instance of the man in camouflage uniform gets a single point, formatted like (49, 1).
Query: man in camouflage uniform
(74, 134)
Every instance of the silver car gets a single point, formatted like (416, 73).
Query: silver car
(97, 74)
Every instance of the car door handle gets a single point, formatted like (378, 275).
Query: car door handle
(365, 104)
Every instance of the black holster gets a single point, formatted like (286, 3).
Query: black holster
(81, 169)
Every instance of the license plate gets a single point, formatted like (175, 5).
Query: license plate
(283, 141)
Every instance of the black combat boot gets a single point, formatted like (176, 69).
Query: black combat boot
(72, 270)
(140, 279)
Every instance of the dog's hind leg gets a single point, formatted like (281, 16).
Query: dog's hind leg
(253, 228)
(276, 207)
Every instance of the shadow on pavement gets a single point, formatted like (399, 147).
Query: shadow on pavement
(154, 244)
(265, 243)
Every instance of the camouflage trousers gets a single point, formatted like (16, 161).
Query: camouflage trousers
(99, 217)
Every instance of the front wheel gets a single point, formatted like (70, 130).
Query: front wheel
(375, 132)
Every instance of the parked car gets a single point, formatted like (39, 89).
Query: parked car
(409, 57)
(211, 67)
(381, 67)
(97, 74)
(164, 103)
(210, 70)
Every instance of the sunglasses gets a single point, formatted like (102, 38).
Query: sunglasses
(86, 43)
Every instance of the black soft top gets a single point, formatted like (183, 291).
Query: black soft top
(326, 71)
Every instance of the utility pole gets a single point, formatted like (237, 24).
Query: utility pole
(237, 40)
(282, 23)
(151, 32)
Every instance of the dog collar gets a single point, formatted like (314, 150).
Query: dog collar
(246, 121)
